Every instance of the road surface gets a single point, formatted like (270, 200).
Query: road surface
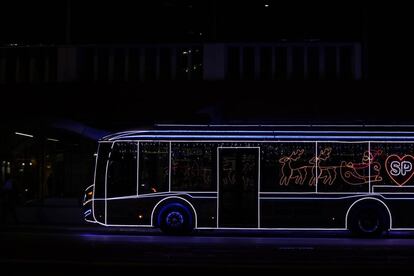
(84, 250)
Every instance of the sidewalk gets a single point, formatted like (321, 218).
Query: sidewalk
(92, 229)
(59, 215)
(53, 211)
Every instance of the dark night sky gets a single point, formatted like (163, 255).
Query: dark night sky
(43, 21)
(132, 21)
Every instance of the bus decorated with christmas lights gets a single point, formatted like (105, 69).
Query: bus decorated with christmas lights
(355, 178)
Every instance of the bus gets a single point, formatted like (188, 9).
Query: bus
(181, 178)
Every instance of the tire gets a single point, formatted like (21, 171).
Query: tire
(369, 220)
(175, 219)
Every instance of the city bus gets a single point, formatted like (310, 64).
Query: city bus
(181, 178)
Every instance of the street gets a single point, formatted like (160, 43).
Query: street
(148, 250)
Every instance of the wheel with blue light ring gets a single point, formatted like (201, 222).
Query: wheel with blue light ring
(368, 220)
(175, 218)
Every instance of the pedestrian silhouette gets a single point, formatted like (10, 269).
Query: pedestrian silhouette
(9, 202)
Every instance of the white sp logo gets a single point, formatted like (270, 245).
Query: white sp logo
(400, 168)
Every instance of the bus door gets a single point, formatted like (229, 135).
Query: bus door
(238, 180)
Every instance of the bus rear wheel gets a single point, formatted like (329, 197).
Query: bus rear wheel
(369, 220)
(175, 219)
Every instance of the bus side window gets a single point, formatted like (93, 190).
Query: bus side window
(153, 167)
(191, 166)
(122, 170)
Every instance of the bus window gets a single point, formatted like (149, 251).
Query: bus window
(122, 170)
(103, 155)
(286, 167)
(395, 165)
(191, 166)
(153, 167)
(344, 167)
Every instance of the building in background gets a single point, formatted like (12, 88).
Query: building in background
(121, 65)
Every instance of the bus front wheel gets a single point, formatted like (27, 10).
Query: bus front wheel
(369, 220)
(175, 219)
